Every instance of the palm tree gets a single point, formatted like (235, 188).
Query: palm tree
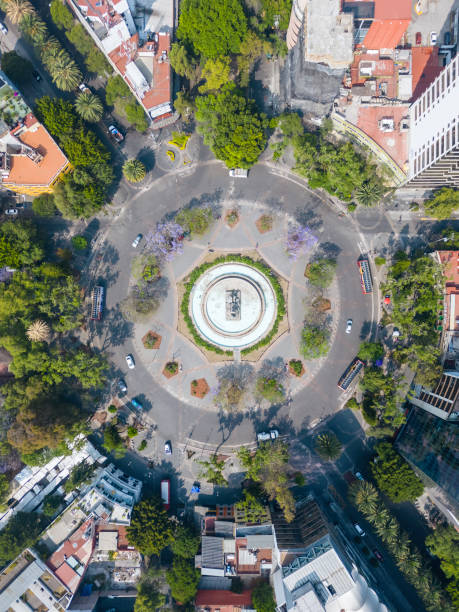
(403, 552)
(16, 10)
(328, 446)
(48, 48)
(365, 497)
(413, 565)
(38, 331)
(64, 71)
(370, 192)
(134, 170)
(388, 531)
(34, 28)
(89, 106)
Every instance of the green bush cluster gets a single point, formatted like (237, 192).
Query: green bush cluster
(258, 265)
(118, 94)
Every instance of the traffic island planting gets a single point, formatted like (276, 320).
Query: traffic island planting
(199, 388)
(151, 340)
(170, 369)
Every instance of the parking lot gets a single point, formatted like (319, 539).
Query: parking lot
(437, 16)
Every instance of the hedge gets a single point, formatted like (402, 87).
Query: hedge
(264, 269)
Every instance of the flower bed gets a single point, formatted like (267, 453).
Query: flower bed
(151, 340)
(170, 369)
(232, 218)
(296, 367)
(199, 388)
(264, 224)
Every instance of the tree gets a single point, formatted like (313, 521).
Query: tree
(370, 192)
(61, 15)
(186, 542)
(314, 341)
(43, 205)
(444, 544)
(212, 29)
(136, 115)
(95, 62)
(64, 71)
(321, 272)
(34, 28)
(4, 491)
(150, 530)
(183, 580)
(89, 106)
(270, 389)
(79, 243)
(149, 598)
(365, 497)
(184, 64)
(80, 39)
(443, 203)
(58, 116)
(263, 598)
(115, 89)
(213, 471)
(51, 504)
(38, 331)
(134, 170)
(216, 73)
(16, 10)
(20, 244)
(113, 442)
(195, 220)
(299, 241)
(16, 68)
(291, 125)
(252, 47)
(80, 475)
(21, 531)
(234, 382)
(371, 351)
(184, 105)
(328, 446)
(394, 476)
(231, 127)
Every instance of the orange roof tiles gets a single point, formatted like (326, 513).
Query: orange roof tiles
(385, 34)
(68, 576)
(393, 9)
(226, 601)
(425, 68)
(451, 261)
(26, 172)
(395, 143)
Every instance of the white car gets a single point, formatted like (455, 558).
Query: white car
(238, 173)
(348, 326)
(3, 28)
(263, 436)
(130, 361)
(274, 434)
(433, 39)
(168, 448)
(137, 239)
(359, 530)
(11, 211)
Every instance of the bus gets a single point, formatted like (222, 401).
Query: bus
(365, 275)
(350, 373)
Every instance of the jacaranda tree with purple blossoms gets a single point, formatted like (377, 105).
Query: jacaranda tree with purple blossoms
(166, 240)
(300, 240)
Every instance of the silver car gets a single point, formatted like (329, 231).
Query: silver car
(137, 239)
(348, 326)
(130, 361)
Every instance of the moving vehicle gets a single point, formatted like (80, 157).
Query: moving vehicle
(3, 28)
(348, 326)
(137, 239)
(136, 404)
(167, 448)
(122, 386)
(418, 38)
(130, 361)
(97, 303)
(113, 131)
(365, 275)
(350, 373)
(433, 39)
(11, 211)
(166, 493)
(36, 75)
(238, 173)
(378, 555)
(359, 530)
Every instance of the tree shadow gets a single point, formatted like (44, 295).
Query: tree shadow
(206, 199)
(114, 329)
(328, 250)
(275, 368)
(227, 422)
(147, 157)
(367, 328)
(308, 217)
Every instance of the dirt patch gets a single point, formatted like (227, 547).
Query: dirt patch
(199, 388)
(151, 340)
(322, 304)
(264, 224)
(169, 372)
(232, 218)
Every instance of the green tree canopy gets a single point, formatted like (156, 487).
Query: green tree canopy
(184, 63)
(43, 205)
(270, 389)
(444, 544)
(371, 351)
(19, 244)
(196, 219)
(216, 73)
(183, 580)
(231, 127)
(186, 542)
(321, 272)
(314, 341)
(51, 504)
(441, 205)
(61, 15)
(149, 598)
(113, 442)
(211, 28)
(21, 531)
(150, 530)
(213, 470)
(81, 474)
(328, 446)
(263, 598)
(394, 476)
(16, 68)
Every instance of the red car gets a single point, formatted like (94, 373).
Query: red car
(377, 554)
(418, 38)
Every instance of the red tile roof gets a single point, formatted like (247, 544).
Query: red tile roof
(393, 9)
(226, 601)
(451, 261)
(68, 576)
(385, 34)
(395, 143)
(425, 68)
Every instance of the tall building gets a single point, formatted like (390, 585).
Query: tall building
(30, 161)
(434, 126)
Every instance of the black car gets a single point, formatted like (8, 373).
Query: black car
(36, 75)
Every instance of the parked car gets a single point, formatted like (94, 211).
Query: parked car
(238, 173)
(11, 211)
(263, 436)
(36, 75)
(359, 530)
(433, 39)
(274, 434)
(83, 87)
(130, 361)
(137, 239)
(359, 476)
(168, 448)
(136, 404)
(418, 38)
(378, 555)
(166, 493)
(3, 28)
(348, 326)
(113, 131)
(122, 386)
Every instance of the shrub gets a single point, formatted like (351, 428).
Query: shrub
(79, 243)
(112, 409)
(270, 389)
(351, 207)
(296, 366)
(266, 223)
(150, 340)
(314, 341)
(132, 431)
(43, 205)
(300, 480)
(143, 445)
(179, 140)
(380, 261)
(369, 414)
(353, 404)
(171, 367)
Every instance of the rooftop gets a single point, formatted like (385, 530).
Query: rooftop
(308, 526)
(425, 67)
(385, 125)
(223, 600)
(385, 34)
(393, 9)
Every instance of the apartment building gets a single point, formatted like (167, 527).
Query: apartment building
(434, 126)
